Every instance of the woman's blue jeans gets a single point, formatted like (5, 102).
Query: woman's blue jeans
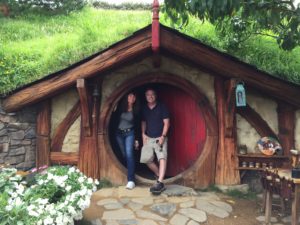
(125, 142)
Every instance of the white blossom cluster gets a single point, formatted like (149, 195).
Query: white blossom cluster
(58, 197)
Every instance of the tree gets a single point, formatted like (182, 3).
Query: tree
(240, 19)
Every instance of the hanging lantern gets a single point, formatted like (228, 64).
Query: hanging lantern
(240, 95)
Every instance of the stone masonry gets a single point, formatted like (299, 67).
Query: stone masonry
(18, 138)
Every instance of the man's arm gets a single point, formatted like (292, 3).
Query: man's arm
(165, 130)
(144, 136)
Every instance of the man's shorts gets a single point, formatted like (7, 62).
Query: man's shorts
(152, 147)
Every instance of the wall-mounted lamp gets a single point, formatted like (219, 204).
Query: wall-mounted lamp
(240, 94)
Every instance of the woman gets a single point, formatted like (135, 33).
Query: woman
(125, 135)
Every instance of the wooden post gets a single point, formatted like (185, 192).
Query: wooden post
(227, 162)
(85, 107)
(88, 152)
(286, 125)
(43, 126)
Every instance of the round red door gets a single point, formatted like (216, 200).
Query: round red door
(187, 132)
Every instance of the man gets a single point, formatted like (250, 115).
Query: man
(155, 126)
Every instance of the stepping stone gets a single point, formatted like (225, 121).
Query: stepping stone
(164, 209)
(135, 206)
(188, 204)
(209, 196)
(96, 222)
(107, 201)
(178, 199)
(127, 222)
(112, 222)
(120, 214)
(135, 193)
(148, 222)
(104, 193)
(124, 201)
(211, 209)
(262, 219)
(143, 201)
(192, 222)
(178, 190)
(244, 188)
(179, 219)
(223, 205)
(194, 214)
(116, 205)
(148, 215)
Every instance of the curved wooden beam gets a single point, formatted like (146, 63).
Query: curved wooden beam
(256, 121)
(63, 127)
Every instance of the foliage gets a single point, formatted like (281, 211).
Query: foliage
(122, 6)
(32, 46)
(241, 195)
(240, 19)
(44, 6)
(58, 197)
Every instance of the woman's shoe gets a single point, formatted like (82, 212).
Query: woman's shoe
(130, 185)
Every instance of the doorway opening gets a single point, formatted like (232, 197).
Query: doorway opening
(187, 133)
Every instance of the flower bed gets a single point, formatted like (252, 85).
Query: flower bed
(58, 195)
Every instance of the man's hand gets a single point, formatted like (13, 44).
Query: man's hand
(145, 139)
(161, 140)
(136, 145)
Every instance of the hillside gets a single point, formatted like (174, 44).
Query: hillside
(33, 46)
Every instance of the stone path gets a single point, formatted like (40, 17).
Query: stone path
(178, 205)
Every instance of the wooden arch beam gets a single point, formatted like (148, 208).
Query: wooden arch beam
(63, 127)
(256, 121)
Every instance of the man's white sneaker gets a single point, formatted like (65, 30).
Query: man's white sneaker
(130, 185)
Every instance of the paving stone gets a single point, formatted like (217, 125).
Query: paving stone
(124, 201)
(161, 200)
(178, 190)
(143, 201)
(148, 215)
(206, 206)
(179, 219)
(147, 222)
(135, 206)
(223, 205)
(135, 193)
(107, 201)
(96, 222)
(262, 219)
(195, 214)
(112, 222)
(210, 196)
(128, 222)
(188, 204)
(164, 209)
(116, 205)
(178, 199)
(244, 188)
(120, 214)
(19, 135)
(105, 192)
(192, 222)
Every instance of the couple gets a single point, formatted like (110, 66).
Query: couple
(155, 123)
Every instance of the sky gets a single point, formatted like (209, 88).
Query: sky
(131, 1)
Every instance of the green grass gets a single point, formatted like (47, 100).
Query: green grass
(33, 46)
(240, 195)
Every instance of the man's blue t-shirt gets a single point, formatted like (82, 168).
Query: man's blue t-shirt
(154, 119)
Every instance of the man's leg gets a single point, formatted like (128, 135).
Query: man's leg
(152, 166)
(162, 169)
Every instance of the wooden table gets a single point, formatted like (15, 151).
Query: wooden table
(285, 173)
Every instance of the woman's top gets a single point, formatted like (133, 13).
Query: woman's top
(126, 120)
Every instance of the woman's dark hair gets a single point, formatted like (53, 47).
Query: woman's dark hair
(123, 107)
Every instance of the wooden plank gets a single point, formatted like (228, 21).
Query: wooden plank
(286, 125)
(88, 151)
(61, 158)
(43, 125)
(256, 121)
(86, 119)
(227, 161)
(63, 127)
(227, 66)
(116, 55)
(296, 205)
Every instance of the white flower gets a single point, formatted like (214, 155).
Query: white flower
(96, 182)
(18, 201)
(80, 179)
(33, 213)
(8, 207)
(72, 170)
(48, 220)
(90, 180)
(68, 188)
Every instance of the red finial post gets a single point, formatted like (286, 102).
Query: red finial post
(155, 27)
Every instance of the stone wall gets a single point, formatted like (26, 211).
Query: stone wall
(18, 138)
